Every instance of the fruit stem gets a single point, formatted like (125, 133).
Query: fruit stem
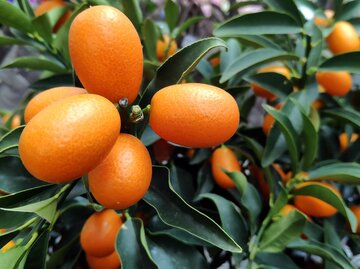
(136, 114)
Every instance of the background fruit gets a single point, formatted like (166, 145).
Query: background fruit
(356, 210)
(162, 151)
(319, 21)
(225, 158)
(106, 53)
(344, 140)
(124, 177)
(313, 206)
(99, 232)
(69, 138)
(269, 121)
(343, 38)
(165, 48)
(335, 83)
(50, 96)
(259, 91)
(194, 115)
(46, 6)
(111, 261)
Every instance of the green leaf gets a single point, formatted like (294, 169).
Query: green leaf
(329, 196)
(14, 177)
(43, 27)
(342, 62)
(340, 172)
(317, 46)
(132, 10)
(307, 8)
(26, 8)
(200, 155)
(232, 52)
(172, 254)
(149, 136)
(12, 257)
(35, 63)
(150, 36)
(13, 221)
(323, 250)
(37, 255)
(346, 115)
(6, 40)
(132, 246)
(252, 60)
(172, 13)
(331, 237)
(275, 83)
(11, 139)
(176, 67)
(258, 41)
(279, 234)
(13, 17)
(177, 32)
(204, 180)
(287, 7)
(261, 23)
(231, 219)
(348, 11)
(280, 202)
(289, 132)
(175, 212)
(275, 260)
(182, 182)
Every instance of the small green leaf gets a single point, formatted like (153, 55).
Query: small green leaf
(275, 260)
(347, 115)
(342, 62)
(348, 11)
(178, 31)
(11, 139)
(43, 27)
(132, 246)
(287, 7)
(38, 252)
(132, 10)
(171, 14)
(182, 182)
(253, 59)
(35, 63)
(261, 23)
(6, 40)
(279, 234)
(340, 172)
(14, 17)
(232, 52)
(150, 35)
(204, 180)
(175, 212)
(317, 46)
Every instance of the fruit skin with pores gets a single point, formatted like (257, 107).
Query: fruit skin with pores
(47, 6)
(335, 83)
(165, 48)
(124, 177)
(48, 97)
(312, 206)
(194, 115)
(343, 38)
(260, 91)
(99, 232)
(69, 138)
(106, 53)
(225, 158)
(111, 261)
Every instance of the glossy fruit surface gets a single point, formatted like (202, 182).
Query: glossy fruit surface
(47, 6)
(194, 115)
(335, 83)
(69, 138)
(99, 232)
(165, 48)
(343, 38)
(225, 158)
(48, 97)
(106, 53)
(124, 177)
(313, 206)
(111, 261)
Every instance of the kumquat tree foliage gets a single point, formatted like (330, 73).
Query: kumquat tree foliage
(147, 142)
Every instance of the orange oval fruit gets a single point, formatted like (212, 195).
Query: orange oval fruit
(48, 97)
(99, 233)
(335, 83)
(106, 53)
(344, 140)
(194, 115)
(343, 38)
(7, 246)
(215, 61)
(225, 158)
(356, 210)
(165, 48)
(46, 6)
(111, 261)
(259, 91)
(313, 206)
(69, 138)
(124, 177)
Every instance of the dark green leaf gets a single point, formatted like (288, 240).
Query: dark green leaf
(279, 234)
(331, 237)
(26, 7)
(35, 63)
(261, 23)
(176, 67)
(232, 52)
(186, 24)
(37, 255)
(342, 62)
(6, 40)
(205, 182)
(287, 7)
(43, 27)
(150, 35)
(14, 17)
(348, 11)
(182, 182)
(132, 246)
(132, 10)
(317, 46)
(340, 172)
(12, 220)
(11, 139)
(258, 41)
(347, 115)
(175, 212)
(171, 14)
(200, 155)
(149, 136)
(276, 260)
(253, 59)
(172, 254)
